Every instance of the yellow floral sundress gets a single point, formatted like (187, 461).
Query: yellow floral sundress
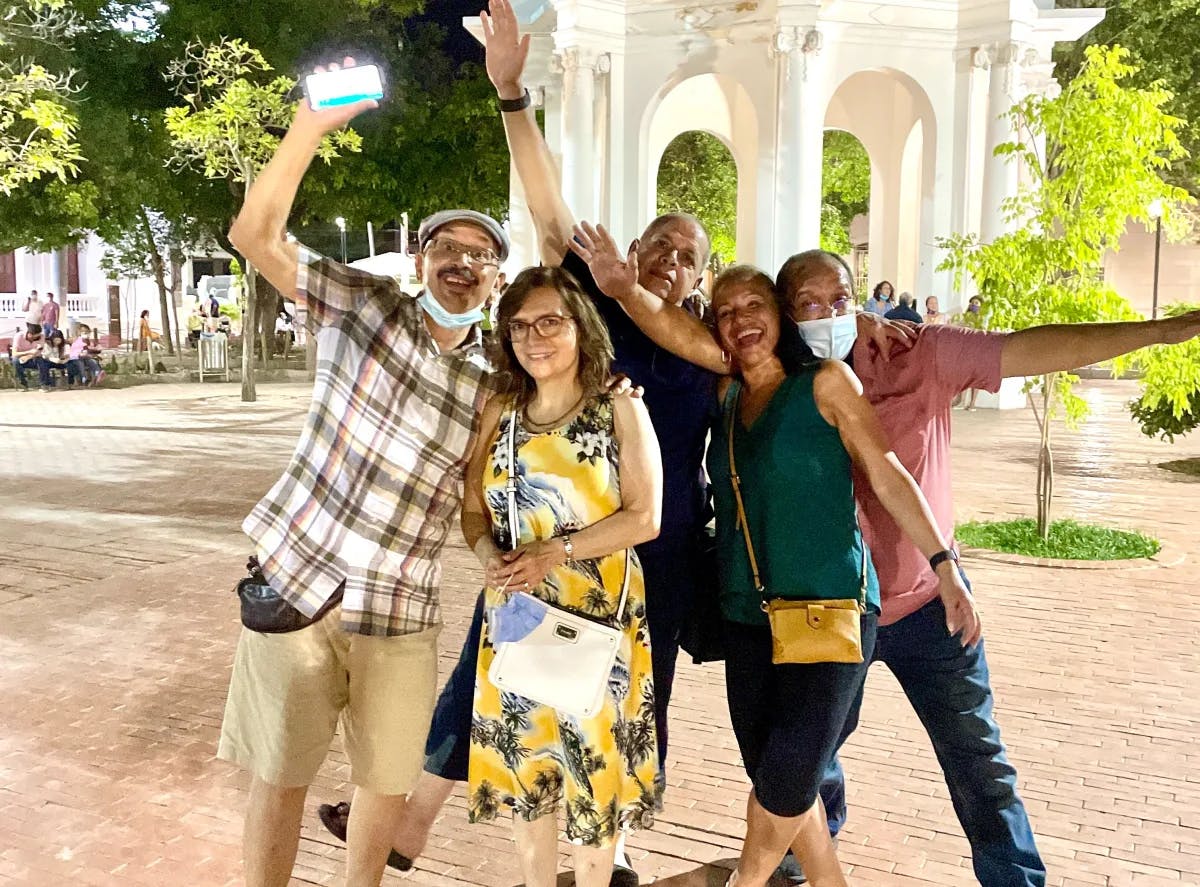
(530, 757)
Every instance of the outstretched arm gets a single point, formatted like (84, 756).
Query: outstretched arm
(667, 325)
(507, 50)
(840, 399)
(258, 231)
(1053, 348)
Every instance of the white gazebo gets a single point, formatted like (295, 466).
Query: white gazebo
(921, 83)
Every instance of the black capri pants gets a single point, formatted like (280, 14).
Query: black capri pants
(788, 718)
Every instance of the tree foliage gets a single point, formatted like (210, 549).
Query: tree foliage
(1170, 401)
(697, 174)
(1092, 178)
(845, 188)
(37, 123)
(1163, 38)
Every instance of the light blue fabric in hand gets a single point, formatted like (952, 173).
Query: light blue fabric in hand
(520, 615)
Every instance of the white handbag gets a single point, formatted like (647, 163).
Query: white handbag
(566, 661)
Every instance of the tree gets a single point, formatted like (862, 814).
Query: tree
(37, 125)
(1087, 182)
(697, 174)
(1163, 39)
(845, 188)
(225, 128)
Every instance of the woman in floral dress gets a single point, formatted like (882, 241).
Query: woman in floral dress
(588, 489)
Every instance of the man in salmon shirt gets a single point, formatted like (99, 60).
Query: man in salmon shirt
(912, 390)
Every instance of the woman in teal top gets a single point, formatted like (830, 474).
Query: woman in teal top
(795, 475)
(798, 424)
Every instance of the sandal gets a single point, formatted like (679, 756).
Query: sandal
(335, 817)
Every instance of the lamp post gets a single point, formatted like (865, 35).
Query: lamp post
(341, 226)
(1155, 211)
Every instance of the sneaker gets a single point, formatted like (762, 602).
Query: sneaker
(99, 378)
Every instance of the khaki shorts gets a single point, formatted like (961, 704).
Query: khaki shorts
(288, 690)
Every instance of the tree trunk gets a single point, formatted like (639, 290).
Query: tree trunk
(249, 316)
(1045, 466)
(160, 280)
(176, 294)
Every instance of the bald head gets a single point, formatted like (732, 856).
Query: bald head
(672, 253)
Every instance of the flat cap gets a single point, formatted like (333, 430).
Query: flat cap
(439, 220)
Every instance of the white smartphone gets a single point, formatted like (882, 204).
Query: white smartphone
(330, 89)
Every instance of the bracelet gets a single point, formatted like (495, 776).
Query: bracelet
(569, 548)
(941, 557)
(511, 105)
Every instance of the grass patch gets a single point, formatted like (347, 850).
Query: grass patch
(1068, 540)
(1183, 466)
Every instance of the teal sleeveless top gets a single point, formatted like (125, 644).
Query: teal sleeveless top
(799, 500)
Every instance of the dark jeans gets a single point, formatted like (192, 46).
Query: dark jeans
(669, 586)
(33, 363)
(788, 719)
(949, 689)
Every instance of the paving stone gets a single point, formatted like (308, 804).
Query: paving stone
(117, 629)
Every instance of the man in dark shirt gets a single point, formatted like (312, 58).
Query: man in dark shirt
(906, 310)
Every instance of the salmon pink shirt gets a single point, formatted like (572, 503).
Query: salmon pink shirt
(912, 394)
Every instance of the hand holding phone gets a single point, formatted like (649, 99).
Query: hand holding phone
(342, 86)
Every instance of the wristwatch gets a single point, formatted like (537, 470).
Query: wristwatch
(941, 557)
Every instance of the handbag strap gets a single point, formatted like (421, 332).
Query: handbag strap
(510, 489)
(736, 483)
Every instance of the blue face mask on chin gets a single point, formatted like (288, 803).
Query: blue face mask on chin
(446, 319)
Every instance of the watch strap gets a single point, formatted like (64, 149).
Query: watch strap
(511, 105)
(941, 557)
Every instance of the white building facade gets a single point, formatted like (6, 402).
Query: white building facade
(923, 84)
(87, 294)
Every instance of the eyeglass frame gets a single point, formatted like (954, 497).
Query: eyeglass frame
(528, 325)
(483, 256)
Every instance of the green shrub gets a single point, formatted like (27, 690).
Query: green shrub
(1170, 401)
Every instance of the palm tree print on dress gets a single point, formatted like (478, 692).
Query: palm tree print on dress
(526, 757)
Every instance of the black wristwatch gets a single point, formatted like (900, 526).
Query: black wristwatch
(941, 557)
(510, 105)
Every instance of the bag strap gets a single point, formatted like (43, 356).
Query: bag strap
(510, 489)
(736, 483)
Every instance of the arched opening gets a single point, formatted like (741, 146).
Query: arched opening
(697, 174)
(727, 136)
(846, 201)
(891, 115)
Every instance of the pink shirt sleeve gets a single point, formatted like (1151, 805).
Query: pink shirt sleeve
(966, 358)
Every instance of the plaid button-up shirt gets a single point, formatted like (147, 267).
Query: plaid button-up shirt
(376, 479)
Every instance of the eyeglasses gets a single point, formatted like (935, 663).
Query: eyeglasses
(818, 310)
(444, 248)
(548, 326)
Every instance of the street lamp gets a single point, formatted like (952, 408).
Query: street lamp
(341, 226)
(1155, 211)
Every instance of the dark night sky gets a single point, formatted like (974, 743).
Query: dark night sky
(449, 13)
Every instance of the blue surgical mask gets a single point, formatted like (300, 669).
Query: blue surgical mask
(830, 337)
(444, 318)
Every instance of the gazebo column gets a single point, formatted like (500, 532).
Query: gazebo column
(1000, 174)
(800, 129)
(578, 130)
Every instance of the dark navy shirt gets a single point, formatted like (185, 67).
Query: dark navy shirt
(680, 398)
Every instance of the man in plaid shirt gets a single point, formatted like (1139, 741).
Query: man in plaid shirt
(363, 510)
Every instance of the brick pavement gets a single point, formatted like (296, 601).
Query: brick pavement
(117, 628)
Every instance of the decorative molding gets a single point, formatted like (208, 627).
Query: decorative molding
(580, 58)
